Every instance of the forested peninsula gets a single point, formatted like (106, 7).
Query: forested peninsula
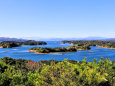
(10, 44)
(104, 44)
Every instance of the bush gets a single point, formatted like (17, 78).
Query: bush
(19, 72)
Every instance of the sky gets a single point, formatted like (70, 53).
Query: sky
(57, 18)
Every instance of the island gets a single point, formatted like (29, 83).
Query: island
(46, 50)
(10, 44)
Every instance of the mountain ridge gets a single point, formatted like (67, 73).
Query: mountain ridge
(12, 39)
(54, 39)
(60, 39)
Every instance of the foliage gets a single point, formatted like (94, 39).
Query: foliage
(10, 44)
(31, 42)
(106, 44)
(50, 50)
(19, 72)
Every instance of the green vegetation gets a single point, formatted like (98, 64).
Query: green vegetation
(43, 50)
(30, 42)
(10, 44)
(82, 47)
(106, 44)
(19, 72)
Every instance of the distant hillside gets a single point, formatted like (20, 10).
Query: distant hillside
(60, 39)
(11, 39)
(55, 39)
(111, 39)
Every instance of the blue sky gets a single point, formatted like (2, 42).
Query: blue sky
(57, 18)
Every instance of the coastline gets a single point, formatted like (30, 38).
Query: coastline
(105, 47)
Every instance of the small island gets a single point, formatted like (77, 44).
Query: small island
(10, 44)
(46, 50)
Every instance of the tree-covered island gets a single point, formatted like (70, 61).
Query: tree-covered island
(10, 44)
(46, 50)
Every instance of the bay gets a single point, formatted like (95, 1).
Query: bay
(23, 53)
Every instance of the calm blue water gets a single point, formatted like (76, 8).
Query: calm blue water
(23, 53)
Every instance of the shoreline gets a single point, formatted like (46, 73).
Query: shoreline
(105, 47)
